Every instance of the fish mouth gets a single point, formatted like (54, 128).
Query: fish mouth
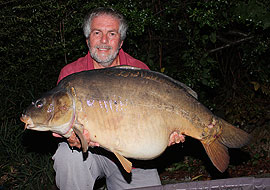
(28, 121)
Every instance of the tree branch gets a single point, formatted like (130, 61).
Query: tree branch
(230, 44)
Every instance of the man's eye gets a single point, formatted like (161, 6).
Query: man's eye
(112, 34)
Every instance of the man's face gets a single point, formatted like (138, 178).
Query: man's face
(104, 40)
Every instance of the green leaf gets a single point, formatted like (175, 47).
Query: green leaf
(213, 37)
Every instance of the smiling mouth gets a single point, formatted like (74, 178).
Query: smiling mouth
(103, 48)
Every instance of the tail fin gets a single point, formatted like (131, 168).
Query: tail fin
(230, 137)
(233, 137)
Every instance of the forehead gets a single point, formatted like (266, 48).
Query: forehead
(105, 22)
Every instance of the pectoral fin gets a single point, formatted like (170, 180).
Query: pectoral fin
(127, 165)
(78, 129)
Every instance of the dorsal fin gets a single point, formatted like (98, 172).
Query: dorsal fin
(127, 165)
(187, 88)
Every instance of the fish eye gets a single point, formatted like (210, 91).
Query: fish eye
(39, 104)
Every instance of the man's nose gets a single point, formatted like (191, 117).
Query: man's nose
(104, 39)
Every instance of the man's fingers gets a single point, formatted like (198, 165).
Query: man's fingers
(176, 137)
(56, 135)
(182, 138)
(75, 142)
(92, 144)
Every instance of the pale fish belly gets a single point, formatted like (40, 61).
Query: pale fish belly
(133, 131)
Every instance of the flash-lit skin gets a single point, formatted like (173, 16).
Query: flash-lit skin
(105, 32)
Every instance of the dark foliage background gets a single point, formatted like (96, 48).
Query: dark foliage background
(218, 48)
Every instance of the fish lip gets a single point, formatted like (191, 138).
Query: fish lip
(28, 121)
(28, 126)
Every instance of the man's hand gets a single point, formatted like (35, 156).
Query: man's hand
(176, 137)
(75, 142)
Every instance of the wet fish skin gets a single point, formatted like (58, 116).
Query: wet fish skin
(132, 112)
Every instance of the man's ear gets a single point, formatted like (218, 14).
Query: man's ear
(121, 44)
(87, 41)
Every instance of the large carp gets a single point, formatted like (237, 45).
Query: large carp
(132, 112)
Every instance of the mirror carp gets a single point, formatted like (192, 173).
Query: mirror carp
(132, 112)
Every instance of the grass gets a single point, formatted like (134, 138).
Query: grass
(25, 158)
(20, 168)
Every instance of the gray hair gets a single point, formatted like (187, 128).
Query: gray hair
(123, 26)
